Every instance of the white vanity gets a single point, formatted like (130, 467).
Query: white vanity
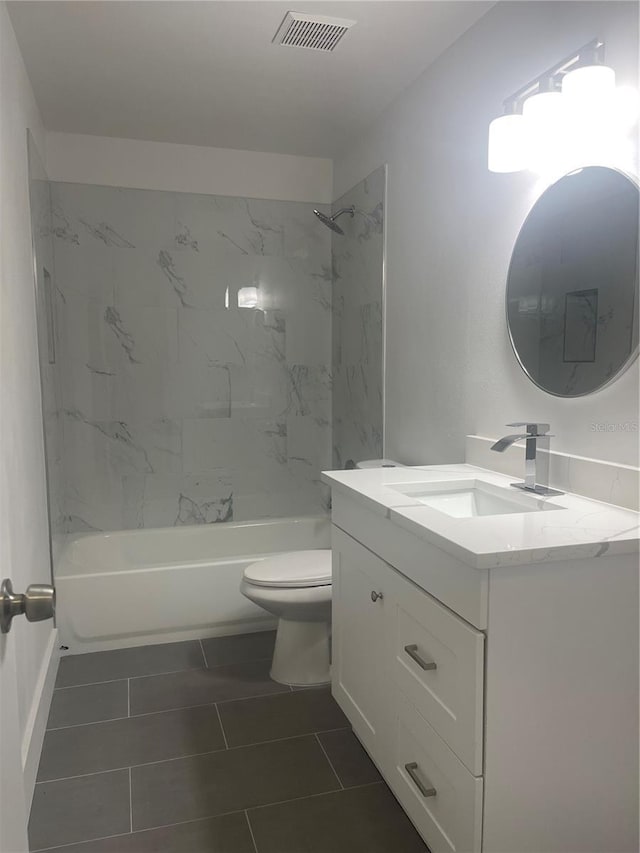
(485, 650)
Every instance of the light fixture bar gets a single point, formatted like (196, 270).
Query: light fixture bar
(593, 49)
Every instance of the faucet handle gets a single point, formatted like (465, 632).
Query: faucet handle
(532, 428)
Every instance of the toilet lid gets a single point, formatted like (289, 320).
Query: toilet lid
(293, 569)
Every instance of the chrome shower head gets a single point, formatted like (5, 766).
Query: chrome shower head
(330, 221)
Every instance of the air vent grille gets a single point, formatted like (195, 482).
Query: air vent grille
(317, 32)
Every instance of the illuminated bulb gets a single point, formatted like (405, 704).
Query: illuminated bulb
(507, 144)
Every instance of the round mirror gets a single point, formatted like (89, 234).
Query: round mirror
(572, 289)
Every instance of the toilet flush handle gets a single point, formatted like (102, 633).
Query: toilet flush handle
(376, 595)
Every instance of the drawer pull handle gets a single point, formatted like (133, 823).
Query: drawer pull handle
(376, 595)
(412, 770)
(412, 651)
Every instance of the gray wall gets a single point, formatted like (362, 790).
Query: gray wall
(176, 408)
(451, 227)
(357, 260)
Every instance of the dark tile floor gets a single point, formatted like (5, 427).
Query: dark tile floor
(191, 748)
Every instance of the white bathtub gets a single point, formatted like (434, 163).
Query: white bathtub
(134, 587)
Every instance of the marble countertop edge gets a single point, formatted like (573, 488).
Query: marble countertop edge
(586, 529)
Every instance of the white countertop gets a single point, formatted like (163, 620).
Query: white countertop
(578, 528)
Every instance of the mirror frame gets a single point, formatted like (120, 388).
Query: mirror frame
(633, 355)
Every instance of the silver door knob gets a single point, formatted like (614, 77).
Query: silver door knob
(37, 603)
(376, 595)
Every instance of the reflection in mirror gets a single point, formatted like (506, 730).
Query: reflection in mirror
(572, 288)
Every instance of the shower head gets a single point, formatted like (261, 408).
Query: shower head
(330, 221)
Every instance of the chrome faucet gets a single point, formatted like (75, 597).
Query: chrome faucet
(533, 433)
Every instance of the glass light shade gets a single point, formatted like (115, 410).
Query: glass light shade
(543, 111)
(589, 82)
(507, 144)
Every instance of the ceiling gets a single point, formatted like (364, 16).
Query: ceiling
(206, 73)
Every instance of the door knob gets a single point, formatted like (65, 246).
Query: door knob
(37, 603)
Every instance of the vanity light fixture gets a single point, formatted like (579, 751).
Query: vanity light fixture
(570, 115)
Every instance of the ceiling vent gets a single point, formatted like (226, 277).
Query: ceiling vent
(317, 32)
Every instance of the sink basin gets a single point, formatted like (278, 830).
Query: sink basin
(470, 498)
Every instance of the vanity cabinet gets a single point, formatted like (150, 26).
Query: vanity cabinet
(503, 710)
(408, 674)
(358, 647)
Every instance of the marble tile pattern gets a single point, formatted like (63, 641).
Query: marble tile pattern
(357, 339)
(49, 305)
(178, 406)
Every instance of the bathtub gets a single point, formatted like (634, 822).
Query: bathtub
(135, 587)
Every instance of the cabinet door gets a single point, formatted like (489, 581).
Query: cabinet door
(357, 673)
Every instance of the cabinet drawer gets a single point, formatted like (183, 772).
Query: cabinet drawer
(438, 662)
(441, 797)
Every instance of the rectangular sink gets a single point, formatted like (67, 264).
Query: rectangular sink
(471, 498)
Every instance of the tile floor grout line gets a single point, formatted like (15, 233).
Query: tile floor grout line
(130, 803)
(156, 674)
(183, 757)
(324, 751)
(125, 834)
(224, 736)
(199, 819)
(312, 796)
(95, 684)
(124, 678)
(204, 656)
(168, 710)
(253, 838)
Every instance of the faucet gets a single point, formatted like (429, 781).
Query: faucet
(532, 434)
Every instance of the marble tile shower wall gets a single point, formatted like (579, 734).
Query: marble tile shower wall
(179, 407)
(357, 349)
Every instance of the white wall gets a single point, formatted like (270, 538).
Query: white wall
(24, 536)
(82, 159)
(451, 226)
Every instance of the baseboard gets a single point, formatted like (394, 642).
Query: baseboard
(38, 714)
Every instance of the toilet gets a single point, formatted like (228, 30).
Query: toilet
(296, 587)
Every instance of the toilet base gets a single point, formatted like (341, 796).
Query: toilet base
(301, 657)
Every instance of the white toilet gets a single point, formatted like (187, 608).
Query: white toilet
(296, 587)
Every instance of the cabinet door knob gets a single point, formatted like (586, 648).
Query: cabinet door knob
(376, 595)
(412, 651)
(426, 790)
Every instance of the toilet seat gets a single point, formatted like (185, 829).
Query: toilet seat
(293, 570)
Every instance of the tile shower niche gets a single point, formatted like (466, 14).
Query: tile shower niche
(178, 404)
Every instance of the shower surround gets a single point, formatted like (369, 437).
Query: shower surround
(194, 352)
(358, 301)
